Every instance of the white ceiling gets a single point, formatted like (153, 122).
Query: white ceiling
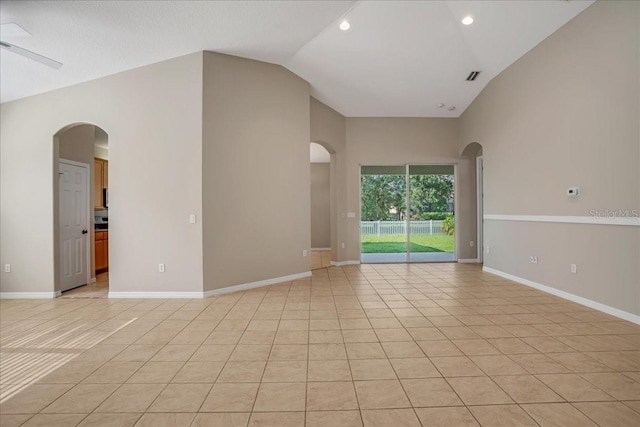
(400, 58)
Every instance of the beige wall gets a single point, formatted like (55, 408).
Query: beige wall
(320, 205)
(398, 141)
(77, 144)
(566, 114)
(255, 162)
(328, 128)
(101, 138)
(152, 191)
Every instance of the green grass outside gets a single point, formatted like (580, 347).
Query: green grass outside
(397, 244)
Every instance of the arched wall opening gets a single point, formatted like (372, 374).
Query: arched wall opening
(324, 204)
(473, 151)
(80, 195)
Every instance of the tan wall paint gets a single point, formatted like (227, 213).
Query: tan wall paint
(320, 205)
(557, 246)
(566, 114)
(255, 157)
(397, 141)
(77, 144)
(328, 127)
(99, 151)
(152, 190)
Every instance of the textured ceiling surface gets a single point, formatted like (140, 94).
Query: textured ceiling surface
(399, 58)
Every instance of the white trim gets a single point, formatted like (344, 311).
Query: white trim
(469, 260)
(568, 296)
(93, 280)
(167, 295)
(30, 295)
(214, 292)
(321, 249)
(567, 219)
(342, 263)
(258, 284)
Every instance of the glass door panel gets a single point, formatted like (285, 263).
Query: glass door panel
(431, 213)
(383, 226)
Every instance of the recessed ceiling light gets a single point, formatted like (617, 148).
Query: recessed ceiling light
(441, 105)
(344, 25)
(452, 108)
(467, 20)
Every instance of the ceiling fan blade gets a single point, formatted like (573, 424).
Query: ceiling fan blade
(13, 30)
(31, 55)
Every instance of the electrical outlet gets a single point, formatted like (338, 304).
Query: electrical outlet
(7, 268)
(192, 218)
(471, 243)
(533, 259)
(304, 252)
(161, 268)
(342, 245)
(574, 268)
(487, 249)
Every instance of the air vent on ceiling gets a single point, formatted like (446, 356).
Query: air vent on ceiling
(472, 76)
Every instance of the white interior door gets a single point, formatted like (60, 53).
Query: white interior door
(74, 236)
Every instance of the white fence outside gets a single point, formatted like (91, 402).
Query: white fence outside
(385, 228)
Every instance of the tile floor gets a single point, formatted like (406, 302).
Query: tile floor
(320, 259)
(100, 289)
(372, 345)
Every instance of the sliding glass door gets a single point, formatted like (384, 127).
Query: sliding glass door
(407, 213)
(431, 216)
(383, 229)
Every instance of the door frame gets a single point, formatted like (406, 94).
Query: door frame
(407, 202)
(88, 237)
(480, 207)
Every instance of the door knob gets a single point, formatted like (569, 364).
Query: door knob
(84, 231)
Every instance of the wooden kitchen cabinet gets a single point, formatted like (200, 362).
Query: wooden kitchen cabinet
(102, 250)
(100, 181)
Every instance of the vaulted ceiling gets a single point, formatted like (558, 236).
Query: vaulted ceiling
(399, 58)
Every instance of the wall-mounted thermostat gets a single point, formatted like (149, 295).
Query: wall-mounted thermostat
(573, 191)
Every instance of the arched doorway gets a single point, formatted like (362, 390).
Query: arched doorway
(474, 151)
(323, 204)
(81, 206)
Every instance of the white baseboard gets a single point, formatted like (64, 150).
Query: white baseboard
(30, 295)
(568, 296)
(211, 293)
(320, 249)
(469, 260)
(258, 284)
(165, 295)
(93, 280)
(342, 263)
